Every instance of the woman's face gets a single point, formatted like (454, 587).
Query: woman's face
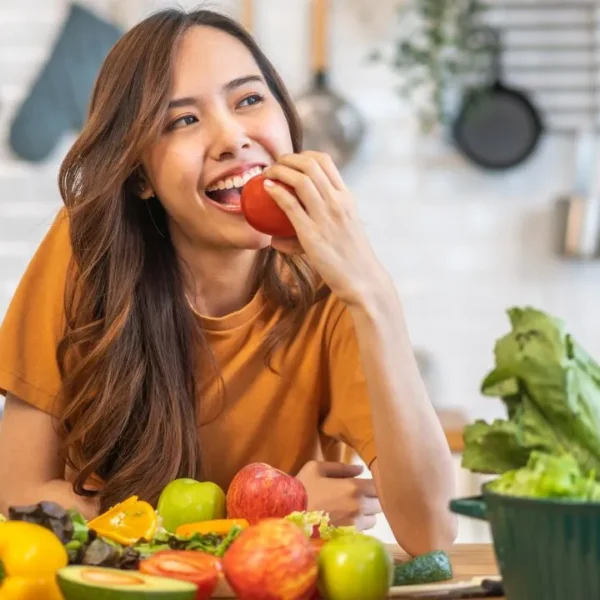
(223, 126)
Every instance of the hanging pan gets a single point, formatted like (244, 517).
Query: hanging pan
(498, 127)
(330, 123)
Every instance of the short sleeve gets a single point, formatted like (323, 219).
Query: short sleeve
(347, 412)
(34, 323)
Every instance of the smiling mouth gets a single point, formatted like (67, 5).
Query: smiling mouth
(227, 191)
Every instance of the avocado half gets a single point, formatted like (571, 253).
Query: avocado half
(98, 583)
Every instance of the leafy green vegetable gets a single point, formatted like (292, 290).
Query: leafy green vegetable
(104, 553)
(308, 521)
(551, 389)
(547, 476)
(80, 528)
(50, 515)
(209, 543)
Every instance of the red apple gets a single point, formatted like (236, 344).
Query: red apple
(260, 491)
(271, 561)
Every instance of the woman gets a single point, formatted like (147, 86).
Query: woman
(156, 335)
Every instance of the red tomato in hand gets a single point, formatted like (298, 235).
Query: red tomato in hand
(262, 212)
(188, 565)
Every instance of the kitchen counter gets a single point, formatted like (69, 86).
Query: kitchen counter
(468, 560)
(453, 423)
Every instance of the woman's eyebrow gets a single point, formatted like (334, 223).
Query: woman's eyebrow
(240, 81)
(228, 87)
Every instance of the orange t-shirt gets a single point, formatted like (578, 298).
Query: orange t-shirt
(317, 398)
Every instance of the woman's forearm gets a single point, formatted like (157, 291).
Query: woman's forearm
(413, 470)
(59, 491)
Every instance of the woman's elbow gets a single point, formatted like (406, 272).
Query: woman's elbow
(427, 532)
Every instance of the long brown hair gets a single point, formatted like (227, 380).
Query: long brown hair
(131, 345)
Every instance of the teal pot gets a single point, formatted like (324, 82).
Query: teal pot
(546, 549)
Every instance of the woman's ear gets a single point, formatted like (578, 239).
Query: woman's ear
(146, 192)
(143, 188)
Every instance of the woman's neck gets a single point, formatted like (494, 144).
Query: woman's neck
(218, 282)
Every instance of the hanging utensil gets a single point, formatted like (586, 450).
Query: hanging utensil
(247, 18)
(579, 211)
(330, 123)
(498, 127)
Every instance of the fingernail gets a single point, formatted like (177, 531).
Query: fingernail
(269, 183)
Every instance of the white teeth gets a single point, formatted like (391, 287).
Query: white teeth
(235, 182)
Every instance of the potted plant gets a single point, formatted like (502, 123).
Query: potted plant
(437, 52)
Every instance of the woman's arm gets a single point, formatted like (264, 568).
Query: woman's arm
(413, 470)
(31, 469)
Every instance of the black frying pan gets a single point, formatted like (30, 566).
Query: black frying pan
(498, 127)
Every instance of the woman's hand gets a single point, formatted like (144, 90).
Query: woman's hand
(335, 489)
(328, 227)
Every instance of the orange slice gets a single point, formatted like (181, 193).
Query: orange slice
(217, 526)
(127, 522)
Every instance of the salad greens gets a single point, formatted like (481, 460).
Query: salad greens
(547, 476)
(313, 522)
(85, 547)
(550, 387)
(209, 543)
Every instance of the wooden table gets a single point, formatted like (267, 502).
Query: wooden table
(468, 560)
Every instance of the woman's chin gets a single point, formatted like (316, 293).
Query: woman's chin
(254, 240)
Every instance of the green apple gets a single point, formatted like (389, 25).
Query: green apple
(355, 566)
(189, 501)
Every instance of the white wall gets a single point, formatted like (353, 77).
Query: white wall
(462, 245)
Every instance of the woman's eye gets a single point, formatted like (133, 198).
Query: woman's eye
(251, 100)
(182, 122)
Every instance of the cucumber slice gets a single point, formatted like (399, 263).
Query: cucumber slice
(427, 568)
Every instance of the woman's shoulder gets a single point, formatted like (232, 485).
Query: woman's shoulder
(56, 243)
(328, 313)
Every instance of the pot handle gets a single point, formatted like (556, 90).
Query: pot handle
(474, 507)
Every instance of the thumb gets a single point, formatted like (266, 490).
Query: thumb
(339, 469)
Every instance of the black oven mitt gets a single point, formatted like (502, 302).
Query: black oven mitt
(58, 101)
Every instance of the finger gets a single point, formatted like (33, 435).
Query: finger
(370, 506)
(365, 522)
(367, 487)
(339, 469)
(299, 218)
(329, 168)
(303, 185)
(309, 166)
(287, 245)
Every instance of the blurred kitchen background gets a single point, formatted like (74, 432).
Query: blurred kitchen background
(463, 241)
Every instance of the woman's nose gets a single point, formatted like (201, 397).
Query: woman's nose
(228, 137)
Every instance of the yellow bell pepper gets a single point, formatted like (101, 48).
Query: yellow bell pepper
(30, 555)
(19, 587)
